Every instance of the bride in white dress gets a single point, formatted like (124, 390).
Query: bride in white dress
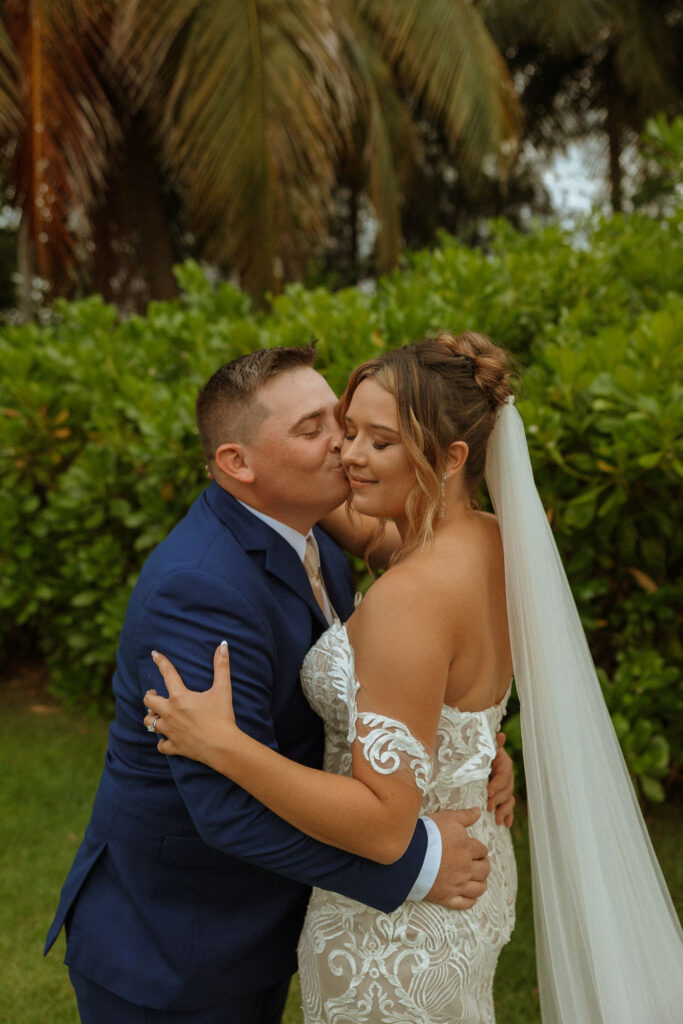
(412, 691)
(421, 963)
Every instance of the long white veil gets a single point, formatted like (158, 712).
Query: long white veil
(608, 943)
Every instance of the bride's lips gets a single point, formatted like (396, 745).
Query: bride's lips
(357, 481)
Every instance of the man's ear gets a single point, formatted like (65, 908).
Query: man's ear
(457, 457)
(232, 459)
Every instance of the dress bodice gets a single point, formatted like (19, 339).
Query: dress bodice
(423, 963)
(465, 741)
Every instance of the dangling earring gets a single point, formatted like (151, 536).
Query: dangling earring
(442, 510)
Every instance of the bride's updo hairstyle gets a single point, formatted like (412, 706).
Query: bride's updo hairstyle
(447, 389)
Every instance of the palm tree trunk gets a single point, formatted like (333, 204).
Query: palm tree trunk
(614, 136)
(134, 251)
(614, 127)
(25, 269)
(353, 225)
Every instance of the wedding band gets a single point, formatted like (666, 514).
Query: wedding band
(153, 726)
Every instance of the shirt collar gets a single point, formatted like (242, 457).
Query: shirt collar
(293, 537)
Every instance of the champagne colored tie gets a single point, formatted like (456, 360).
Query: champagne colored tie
(312, 567)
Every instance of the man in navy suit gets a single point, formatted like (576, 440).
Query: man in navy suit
(186, 897)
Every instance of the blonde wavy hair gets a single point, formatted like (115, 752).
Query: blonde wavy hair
(447, 389)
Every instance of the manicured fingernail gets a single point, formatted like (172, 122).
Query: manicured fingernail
(155, 655)
(224, 646)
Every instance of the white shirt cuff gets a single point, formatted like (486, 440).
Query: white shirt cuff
(431, 864)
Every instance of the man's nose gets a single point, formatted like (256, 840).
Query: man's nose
(336, 437)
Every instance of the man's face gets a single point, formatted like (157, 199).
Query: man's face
(295, 451)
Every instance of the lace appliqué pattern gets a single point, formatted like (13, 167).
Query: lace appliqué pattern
(421, 964)
(388, 744)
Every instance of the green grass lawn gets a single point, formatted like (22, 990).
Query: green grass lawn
(50, 762)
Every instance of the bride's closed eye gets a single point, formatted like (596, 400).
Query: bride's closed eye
(378, 445)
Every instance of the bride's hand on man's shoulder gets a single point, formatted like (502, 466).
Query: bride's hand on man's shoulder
(191, 723)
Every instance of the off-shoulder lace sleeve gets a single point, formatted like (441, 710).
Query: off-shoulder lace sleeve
(389, 746)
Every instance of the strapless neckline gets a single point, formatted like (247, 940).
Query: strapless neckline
(340, 627)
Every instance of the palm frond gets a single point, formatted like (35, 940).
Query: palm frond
(645, 57)
(10, 70)
(446, 58)
(254, 106)
(68, 125)
(383, 143)
(562, 27)
(143, 36)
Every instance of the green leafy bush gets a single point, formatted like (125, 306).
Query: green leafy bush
(100, 456)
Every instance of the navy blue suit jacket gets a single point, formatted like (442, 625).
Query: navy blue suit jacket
(185, 889)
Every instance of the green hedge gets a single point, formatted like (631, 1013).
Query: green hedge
(100, 456)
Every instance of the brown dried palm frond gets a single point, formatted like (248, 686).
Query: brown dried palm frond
(10, 110)
(65, 127)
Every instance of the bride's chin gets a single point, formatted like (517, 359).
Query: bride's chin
(369, 508)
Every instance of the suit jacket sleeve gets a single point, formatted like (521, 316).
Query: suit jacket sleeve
(185, 618)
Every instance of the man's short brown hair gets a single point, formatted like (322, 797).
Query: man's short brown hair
(227, 407)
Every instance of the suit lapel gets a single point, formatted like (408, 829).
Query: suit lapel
(253, 535)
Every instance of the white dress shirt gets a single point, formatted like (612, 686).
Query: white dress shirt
(432, 862)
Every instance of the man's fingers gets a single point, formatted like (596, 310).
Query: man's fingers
(478, 850)
(460, 903)
(499, 785)
(467, 897)
(473, 890)
(467, 816)
(480, 870)
(505, 812)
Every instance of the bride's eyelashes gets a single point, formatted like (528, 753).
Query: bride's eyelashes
(378, 445)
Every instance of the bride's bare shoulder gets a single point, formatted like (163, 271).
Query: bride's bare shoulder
(404, 599)
(402, 641)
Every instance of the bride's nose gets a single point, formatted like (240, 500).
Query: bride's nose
(351, 452)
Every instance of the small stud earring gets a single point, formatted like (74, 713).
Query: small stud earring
(442, 510)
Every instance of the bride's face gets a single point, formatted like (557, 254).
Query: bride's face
(374, 457)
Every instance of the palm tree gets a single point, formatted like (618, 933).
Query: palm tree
(56, 129)
(592, 66)
(260, 103)
(247, 111)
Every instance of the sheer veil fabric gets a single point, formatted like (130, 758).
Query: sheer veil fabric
(608, 942)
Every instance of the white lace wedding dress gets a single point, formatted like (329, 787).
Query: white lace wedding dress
(421, 964)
